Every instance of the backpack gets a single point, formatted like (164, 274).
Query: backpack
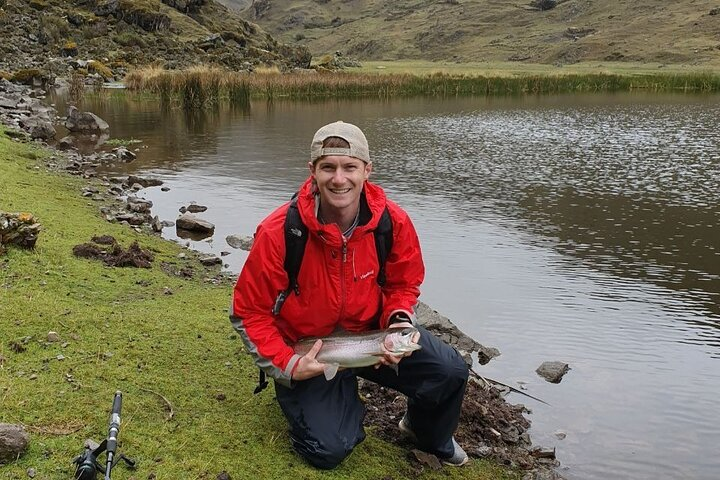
(296, 235)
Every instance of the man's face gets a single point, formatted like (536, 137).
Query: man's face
(340, 180)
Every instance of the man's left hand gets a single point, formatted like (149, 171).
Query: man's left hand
(390, 359)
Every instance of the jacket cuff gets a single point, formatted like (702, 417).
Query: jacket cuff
(411, 316)
(291, 365)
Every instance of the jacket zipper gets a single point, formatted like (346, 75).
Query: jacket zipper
(342, 278)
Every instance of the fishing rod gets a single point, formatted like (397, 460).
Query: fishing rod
(488, 381)
(87, 463)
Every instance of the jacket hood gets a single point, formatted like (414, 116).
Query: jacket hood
(372, 204)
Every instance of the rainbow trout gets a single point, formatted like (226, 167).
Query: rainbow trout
(352, 350)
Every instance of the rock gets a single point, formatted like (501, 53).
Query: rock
(426, 459)
(124, 154)
(144, 182)
(53, 337)
(449, 333)
(544, 4)
(210, 260)
(238, 241)
(31, 472)
(553, 371)
(19, 229)
(14, 442)
(84, 121)
(223, 476)
(139, 205)
(156, 224)
(188, 221)
(195, 208)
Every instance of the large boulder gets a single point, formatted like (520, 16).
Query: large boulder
(14, 442)
(193, 223)
(78, 121)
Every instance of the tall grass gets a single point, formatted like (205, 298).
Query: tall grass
(203, 86)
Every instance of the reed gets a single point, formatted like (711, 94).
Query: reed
(205, 86)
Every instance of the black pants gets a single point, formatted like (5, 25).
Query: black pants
(326, 417)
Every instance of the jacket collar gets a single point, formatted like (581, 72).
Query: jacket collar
(372, 204)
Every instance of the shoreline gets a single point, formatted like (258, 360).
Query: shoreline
(89, 185)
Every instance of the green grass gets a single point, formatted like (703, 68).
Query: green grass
(120, 332)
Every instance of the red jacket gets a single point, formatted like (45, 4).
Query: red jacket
(337, 281)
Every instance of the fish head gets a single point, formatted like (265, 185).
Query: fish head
(401, 340)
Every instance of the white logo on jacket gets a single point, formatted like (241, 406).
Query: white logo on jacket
(365, 275)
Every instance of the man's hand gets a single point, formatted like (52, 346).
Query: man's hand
(307, 366)
(390, 359)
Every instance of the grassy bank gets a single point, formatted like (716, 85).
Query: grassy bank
(119, 329)
(201, 86)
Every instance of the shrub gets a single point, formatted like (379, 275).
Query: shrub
(69, 48)
(52, 29)
(26, 75)
(130, 39)
(101, 69)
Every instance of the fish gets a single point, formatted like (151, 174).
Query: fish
(354, 350)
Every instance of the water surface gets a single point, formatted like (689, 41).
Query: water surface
(574, 228)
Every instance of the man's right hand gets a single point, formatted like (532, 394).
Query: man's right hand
(307, 366)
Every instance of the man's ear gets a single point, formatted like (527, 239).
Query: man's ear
(311, 166)
(368, 170)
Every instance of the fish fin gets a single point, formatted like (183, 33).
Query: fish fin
(330, 370)
(394, 366)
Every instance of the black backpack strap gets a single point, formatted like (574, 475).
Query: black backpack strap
(383, 243)
(262, 382)
(296, 233)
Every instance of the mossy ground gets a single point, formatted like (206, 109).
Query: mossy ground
(120, 331)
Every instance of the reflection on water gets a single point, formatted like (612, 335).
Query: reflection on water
(580, 228)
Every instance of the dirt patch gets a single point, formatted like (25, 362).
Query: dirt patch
(489, 426)
(106, 249)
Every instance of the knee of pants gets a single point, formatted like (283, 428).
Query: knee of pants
(325, 459)
(454, 370)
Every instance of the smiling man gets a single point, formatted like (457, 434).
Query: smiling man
(346, 281)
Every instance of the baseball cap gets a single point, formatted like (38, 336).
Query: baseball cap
(348, 132)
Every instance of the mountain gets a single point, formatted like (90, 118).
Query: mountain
(532, 31)
(58, 36)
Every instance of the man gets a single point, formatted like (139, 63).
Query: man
(338, 290)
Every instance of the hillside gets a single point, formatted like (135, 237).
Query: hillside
(571, 31)
(57, 36)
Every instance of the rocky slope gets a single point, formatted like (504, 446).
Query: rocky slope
(58, 36)
(537, 31)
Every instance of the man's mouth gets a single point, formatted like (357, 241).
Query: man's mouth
(340, 191)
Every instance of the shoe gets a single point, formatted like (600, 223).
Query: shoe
(458, 458)
(406, 430)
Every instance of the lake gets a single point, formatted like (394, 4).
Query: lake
(579, 228)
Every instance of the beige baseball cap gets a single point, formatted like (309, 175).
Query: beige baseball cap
(348, 132)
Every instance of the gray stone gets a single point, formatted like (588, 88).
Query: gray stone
(14, 442)
(553, 371)
(188, 221)
(451, 334)
(195, 208)
(210, 260)
(124, 154)
(84, 121)
(139, 205)
(144, 182)
(238, 241)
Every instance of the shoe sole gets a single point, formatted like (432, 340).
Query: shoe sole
(464, 462)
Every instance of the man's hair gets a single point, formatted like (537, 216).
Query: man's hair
(335, 142)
